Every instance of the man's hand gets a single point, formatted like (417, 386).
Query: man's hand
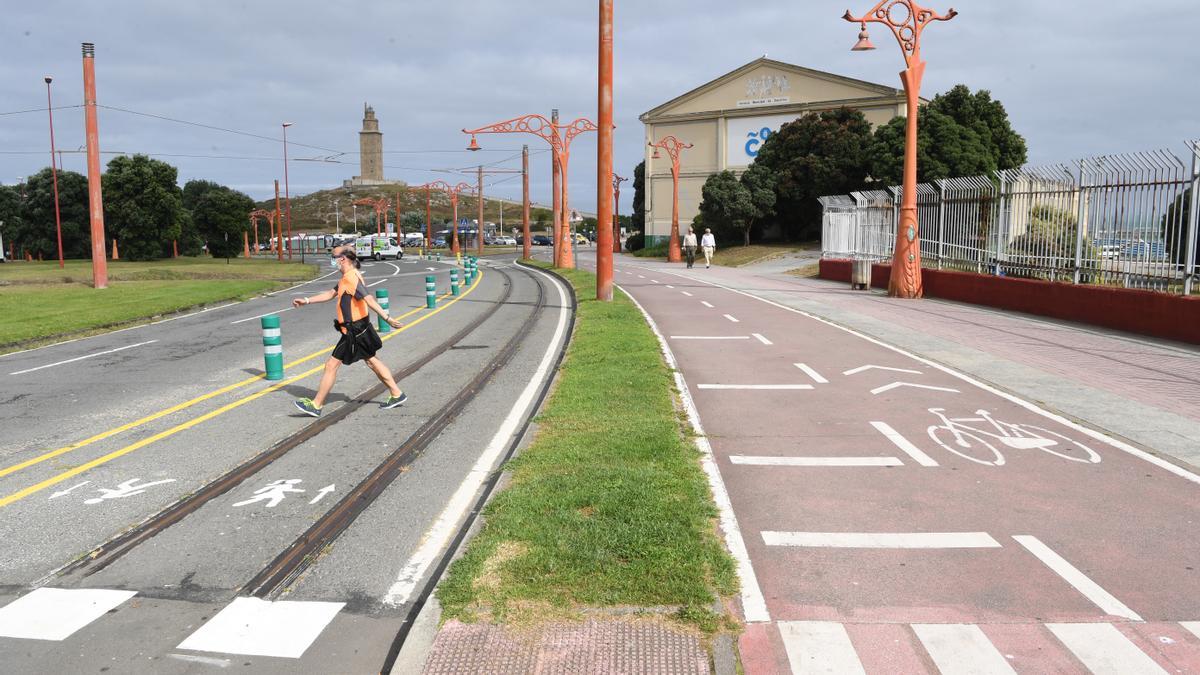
(394, 322)
(299, 302)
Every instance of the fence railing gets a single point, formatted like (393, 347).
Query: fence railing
(1120, 220)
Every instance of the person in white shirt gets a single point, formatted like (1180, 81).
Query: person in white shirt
(689, 247)
(709, 243)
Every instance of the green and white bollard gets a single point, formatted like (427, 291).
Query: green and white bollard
(272, 347)
(454, 283)
(381, 296)
(431, 291)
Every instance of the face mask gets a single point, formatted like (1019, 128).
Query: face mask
(333, 263)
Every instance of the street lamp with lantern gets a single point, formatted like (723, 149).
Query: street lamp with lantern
(907, 20)
(287, 193)
(617, 180)
(672, 145)
(54, 174)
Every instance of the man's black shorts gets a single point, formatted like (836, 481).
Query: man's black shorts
(359, 343)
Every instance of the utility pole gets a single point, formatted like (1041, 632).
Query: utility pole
(525, 202)
(604, 160)
(95, 197)
(479, 230)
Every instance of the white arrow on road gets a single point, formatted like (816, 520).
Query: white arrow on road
(61, 493)
(321, 493)
(896, 385)
(861, 369)
(431, 269)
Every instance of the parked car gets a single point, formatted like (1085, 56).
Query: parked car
(378, 247)
(505, 241)
(440, 242)
(581, 240)
(542, 240)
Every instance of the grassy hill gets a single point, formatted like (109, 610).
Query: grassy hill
(315, 212)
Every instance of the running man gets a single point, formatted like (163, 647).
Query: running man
(359, 341)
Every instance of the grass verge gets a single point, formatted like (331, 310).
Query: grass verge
(608, 507)
(44, 303)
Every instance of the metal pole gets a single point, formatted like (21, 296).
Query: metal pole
(279, 222)
(95, 196)
(54, 173)
(428, 217)
(905, 279)
(287, 190)
(525, 243)
(1193, 223)
(556, 200)
(604, 159)
(479, 229)
(941, 250)
(337, 217)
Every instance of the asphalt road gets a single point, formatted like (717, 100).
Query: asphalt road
(185, 409)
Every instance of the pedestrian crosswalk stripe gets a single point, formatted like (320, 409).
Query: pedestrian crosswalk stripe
(961, 648)
(1104, 650)
(1192, 626)
(56, 613)
(819, 647)
(258, 627)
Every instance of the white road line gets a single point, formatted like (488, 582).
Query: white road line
(815, 461)
(762, 339)
(707, 304)
(56, 613)
(732, 319)
(811, 373)
(1103, 649)
(1191, 626)
(80, 358)
(443, 529)
(754, 605)
(1032, 407)
(655, 281)
(1090, 589)
(640, 276)
(757, 387)
(962, 648)
(901, 442)
(281, 311)
(710, 337)
(686, 293)
(905, 540)
(380, 281)
(395, 267)
(670, 287)
(897, 385)
(861, 369)
(819, 647)
(260, 627)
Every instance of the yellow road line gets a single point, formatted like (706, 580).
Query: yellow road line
(200, 399)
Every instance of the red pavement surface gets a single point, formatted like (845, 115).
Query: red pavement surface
(1124, 523)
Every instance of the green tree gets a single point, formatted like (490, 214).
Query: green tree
(959, 134)
(818, 154)
(413, 221)
(732, 206)
(219, 214)
(10, 215)
(143, 206)
(637, 223)
(1174, 229)
(34, 228)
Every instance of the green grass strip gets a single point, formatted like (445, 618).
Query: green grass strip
(608, 506)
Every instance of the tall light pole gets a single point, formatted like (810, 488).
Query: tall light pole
(907, 20)
(337, 216)
(559, 136)
(525, 202)
(479, 230)
(95, 193)
(604, 159)
(287, 193)
(54, 174)
(617, 180)
(672, 145)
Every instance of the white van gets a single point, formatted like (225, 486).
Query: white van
(378, 247)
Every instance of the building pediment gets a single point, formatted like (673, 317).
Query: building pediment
(764, 83)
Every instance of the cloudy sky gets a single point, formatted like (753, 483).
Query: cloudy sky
(1077, 78)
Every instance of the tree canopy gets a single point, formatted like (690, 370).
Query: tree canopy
(638, 222)
(732, 206)
(28, 214)
(219, 214)
(143, 206)
(959, 133)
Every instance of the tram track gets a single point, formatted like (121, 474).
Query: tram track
(124, 543)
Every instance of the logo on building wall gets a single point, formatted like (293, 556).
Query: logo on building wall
(766, 90)
(757, 138)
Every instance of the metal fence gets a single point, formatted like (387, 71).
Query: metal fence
(1118, 220)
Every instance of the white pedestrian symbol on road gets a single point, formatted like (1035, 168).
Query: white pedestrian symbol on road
(273, 493)
(126, 489)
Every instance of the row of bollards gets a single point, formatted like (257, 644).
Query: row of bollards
(273, 339)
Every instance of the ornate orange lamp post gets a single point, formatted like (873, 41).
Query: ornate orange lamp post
(263, 214)
(54, 173)
(559, 136)
(380, 205)
(454, 191)
(907, 20)
(672, 145)
(617, 180)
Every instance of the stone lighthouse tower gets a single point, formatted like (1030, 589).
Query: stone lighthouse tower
(370, 146)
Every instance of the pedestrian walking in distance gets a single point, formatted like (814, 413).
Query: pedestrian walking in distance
(709, 243)
(689, 247)
(359, 341)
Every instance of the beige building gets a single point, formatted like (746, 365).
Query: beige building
(728, 119)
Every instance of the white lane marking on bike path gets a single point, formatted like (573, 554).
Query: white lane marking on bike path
(1071, 574)
(1012, 398)
(754, 605)
(901, 442)
(890, 540)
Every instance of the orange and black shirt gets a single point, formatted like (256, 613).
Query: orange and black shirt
(351, 296)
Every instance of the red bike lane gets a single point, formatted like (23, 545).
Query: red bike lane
(900, 518)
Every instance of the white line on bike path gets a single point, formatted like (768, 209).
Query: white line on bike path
(815, 461)
(903, 443)
(905, 540)
(1032, 407)
(1090, 589)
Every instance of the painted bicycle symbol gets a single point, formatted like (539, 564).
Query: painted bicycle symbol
(963, 437)
(757, 138)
